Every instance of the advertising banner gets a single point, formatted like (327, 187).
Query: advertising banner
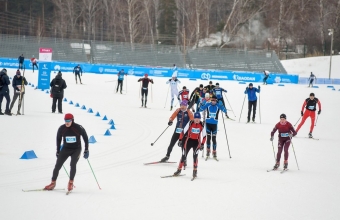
(45, 54)
(44, 75)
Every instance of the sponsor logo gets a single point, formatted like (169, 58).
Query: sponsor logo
(0, 63)
(243, 78)
(44, 66)
(205, 76)
(277, 79)
(110, 70)
(101, 69)
(195, 130)
(56, 67)
(219, 77)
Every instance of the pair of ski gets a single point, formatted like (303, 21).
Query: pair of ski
(192, 179)
(35, 190)
(284, 170)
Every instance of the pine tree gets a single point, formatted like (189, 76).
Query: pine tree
(167, 21)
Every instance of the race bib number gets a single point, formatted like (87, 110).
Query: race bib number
(195, 130)
(185, 96)
(284, 134)
(212, 115)
(145, 88)
(179, 130)
(218, 93)
(70, 139)
(310, 107)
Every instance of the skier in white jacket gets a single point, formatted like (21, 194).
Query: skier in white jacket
(174, 88)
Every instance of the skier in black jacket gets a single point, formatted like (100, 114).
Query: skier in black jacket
(70, 134)
(57, 92)
(17, 82)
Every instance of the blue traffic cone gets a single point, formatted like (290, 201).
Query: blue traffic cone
(97, 114)
(92, 140)
(71, 103)
(112, 127)
(105, 118)
(83, 107)
(111, 122)
(107, 133)
(65, 100)
(90, 110)
(77, 105)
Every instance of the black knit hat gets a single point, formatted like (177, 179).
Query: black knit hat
(312, 94)
(250, 84)
(283, 116)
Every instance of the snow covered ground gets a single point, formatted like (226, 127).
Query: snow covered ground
(318, 65)
(236, 188)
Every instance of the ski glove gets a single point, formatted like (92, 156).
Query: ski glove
(86, 154)
(179, 144)
(57, 154)
(170, 123)
(319, 112)
(301, 113)
(271, 138)
(202, 147)
(290, 135)
(259, 87)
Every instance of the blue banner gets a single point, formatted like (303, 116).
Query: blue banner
(44, 75)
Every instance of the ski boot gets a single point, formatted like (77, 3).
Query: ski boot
(70, 185)
(185, 164)
(165, 159)
(226, 115)
(1, 113)
(171, 108)
(214, 154)
(178, 172)
(276, 166)
(310, 135)
(208, 152)
(253, 120)
(51, 186)
(194, 174)
(18, 113)
(8, 113)
(285, 166)
(76, 82)
(121, 92)
(248, 120)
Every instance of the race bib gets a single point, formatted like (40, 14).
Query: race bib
(218, 93)
(145, 88)
(212, 115)
(195, 130)
(179, 130)
(284, 134)
(185, 96)
(70, 139)
(310, 107)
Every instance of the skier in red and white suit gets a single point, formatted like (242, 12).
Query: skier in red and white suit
(193, 136)
(286, 132)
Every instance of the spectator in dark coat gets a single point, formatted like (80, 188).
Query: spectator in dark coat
(57, 92)
(17, 82)
(4, 91)
(21, 60)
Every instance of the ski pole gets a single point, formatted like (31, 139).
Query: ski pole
(167, 96)
(242, 107)
(93, 173)
(225, 131)
(126, 84)
(229, 105)
(297, 121)
(159, 136)
(140, 90)
(273, 151)
(294, 153)
(316, 119)
(66, 171)
(260, 106)
(151, 94)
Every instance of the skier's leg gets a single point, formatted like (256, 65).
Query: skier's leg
(279, 151)
(254, 109)
(173, 141)
(74, 160)
(304, 117)
(15, 96)
(63, 155)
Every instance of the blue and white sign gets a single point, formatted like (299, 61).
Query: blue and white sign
(44, 75)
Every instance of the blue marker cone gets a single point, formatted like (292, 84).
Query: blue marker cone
(77, 105)
(92, 140)
(71, 103)
(105, 118)
(107, 133)
(90, 110)
(112, 127)
(111, 122)
(65, 100)
(83, 107)
(97, 114)
(28, 155)
(47, 91)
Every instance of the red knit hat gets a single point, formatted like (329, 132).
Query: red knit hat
(68, 116)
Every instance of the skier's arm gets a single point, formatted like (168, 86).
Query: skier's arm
(74, 69)
(203, 107)
(167, 82)
(221, 106)
(191, 116)
(292, 130)
(179, 94)
(81, 70)
(25, 81)
(224, 90)
(203, 135)
(52, 83)
(59, 138)
(319, 105)
(258, 90)
(273, 131)
(303, 106)
(64, 85)
(85, 138)
(185, 130)
(174, 115)
(140, 80)
(151, 80)
(246, 91)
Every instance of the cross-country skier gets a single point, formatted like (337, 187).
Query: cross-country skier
(252, 100)
(57, 91)
(311, 79)
(286, 132)
(17, 82)
(266, 76)
(218, 92)
(145, 88)
(34, 63)
(174, 89)
(195, 97)
(21, 60)
(212, 108)
(77, 71)
(310, 105)
(4, 91)
(193, 136)
(69, 134)
(184, 94)
(120, 80)
(210, 88)
(183, 116)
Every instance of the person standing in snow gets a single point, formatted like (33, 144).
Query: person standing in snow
(212, 109)
(34, 63)
(310, 105)
(195, 97)
(311, 79)
(210, 88)
(120, 80)
(77, 71)
(193, 136)
(286, 132)
(69, 133)
(174, 89)
(21, 60)
(4, 91)
(183, 116)
(57, 92)
(252, 100)
(266, 75)
(218, 92)
(184, 94)
(145, 88)
(17, 82)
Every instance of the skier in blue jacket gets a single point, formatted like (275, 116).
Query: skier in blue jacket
(213, 108)
(252, 100)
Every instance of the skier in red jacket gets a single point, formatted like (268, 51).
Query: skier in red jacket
(286, 132)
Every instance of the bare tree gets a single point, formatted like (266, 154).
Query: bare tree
(148, 7)
(90, 8)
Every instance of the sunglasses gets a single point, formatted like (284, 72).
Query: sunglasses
(213, 100)
(69, 120)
